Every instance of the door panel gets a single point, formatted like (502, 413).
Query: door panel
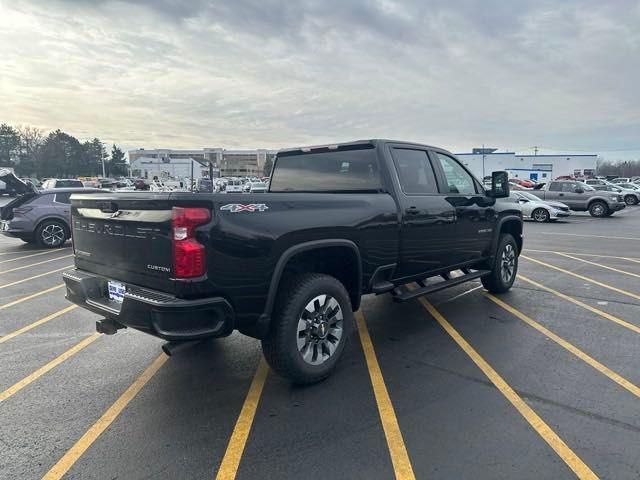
(475, 212)
(428, 219)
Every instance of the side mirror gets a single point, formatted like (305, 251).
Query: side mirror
(578, 190)
(499, 185)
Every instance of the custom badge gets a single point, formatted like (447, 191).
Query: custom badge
(239, 207)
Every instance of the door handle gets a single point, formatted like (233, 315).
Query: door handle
(561, 194)
(412, 210)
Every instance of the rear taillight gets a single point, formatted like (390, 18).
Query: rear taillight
(21, 210)
(188, 253)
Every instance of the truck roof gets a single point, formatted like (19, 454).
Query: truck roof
(334, 146)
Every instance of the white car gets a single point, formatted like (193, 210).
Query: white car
(621, 180)
(234, 186)
(538, 209)
(631, 196)
(257, 187)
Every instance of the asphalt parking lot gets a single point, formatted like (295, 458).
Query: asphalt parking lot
(541, 382)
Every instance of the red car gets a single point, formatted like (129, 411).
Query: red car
(522, 182)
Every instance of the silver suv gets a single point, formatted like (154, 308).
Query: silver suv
(41, 217)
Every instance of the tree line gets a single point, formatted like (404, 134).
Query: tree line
(630, 168)
(34, 153)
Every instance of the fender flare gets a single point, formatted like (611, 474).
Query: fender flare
(264, 320)
(498, 229)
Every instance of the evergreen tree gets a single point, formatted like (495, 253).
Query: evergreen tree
(117, 164)
(9, 145)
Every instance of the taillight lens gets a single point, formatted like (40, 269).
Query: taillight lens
(21, 210)
(188, 254)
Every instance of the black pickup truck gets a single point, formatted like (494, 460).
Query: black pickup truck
(290, 266)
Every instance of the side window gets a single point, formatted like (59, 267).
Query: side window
(63, 198)
(569, 187)
(414, 171)
(555, 187)
(458, 179)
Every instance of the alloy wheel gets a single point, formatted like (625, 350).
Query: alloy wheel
(508, 263)
(320, 329)
(53, 235)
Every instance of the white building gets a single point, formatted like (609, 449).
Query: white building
(536, 167)
(178, 163)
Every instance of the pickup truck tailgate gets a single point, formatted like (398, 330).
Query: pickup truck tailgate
(124, 237)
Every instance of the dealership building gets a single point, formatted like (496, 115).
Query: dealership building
(170, 163)
(483, 161)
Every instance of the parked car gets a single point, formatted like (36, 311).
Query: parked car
(522, 182)
(34, 181)
(581, 197)
(630, 196)
(39, 216)
(255, 187)
(204, 185)
(140, 184)
(290, 267)
(234, 186)
(621, 180)
(54, 183)
(538, 209)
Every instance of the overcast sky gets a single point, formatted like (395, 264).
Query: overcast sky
(268, 73)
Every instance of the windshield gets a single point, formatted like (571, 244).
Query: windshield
(586, 188)
(528, 196)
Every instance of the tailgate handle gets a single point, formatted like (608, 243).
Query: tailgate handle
(108, 207)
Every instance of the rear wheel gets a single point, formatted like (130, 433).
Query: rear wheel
(598, 209)
(309, 329)
(51, 234)
(505, 266)
(630, 200)
(540, 215)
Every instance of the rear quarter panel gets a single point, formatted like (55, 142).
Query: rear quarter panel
(244, 246)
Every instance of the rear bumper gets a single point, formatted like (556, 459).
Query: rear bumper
(150, 311)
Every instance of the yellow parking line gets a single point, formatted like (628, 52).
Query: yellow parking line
(35, 264)
(17, 282)
(631, 259)
(231, 460)
(623, 382)
(35, 324)
(597, 311)
(598, 265)
(45, 368)
(29, 256)
(77, 450)
(572, 460)
(29, 297)
(582, 277)
(397, 450)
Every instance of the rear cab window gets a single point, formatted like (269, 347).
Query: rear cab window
(349, 168)
(415, 171)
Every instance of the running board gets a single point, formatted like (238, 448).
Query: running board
(401, 294)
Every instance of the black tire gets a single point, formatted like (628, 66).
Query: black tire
(281, 347)
(630, 200)
(507, 251)
(598, 209)
(51, 234)
(541, 215)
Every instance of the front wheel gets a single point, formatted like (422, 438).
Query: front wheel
(309, 329)
(630, 200)
(505, 266)
(540, 215)
(598, 209)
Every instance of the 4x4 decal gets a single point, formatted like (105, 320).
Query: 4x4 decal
(239, 207)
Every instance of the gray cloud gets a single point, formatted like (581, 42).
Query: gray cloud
(276, 73)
